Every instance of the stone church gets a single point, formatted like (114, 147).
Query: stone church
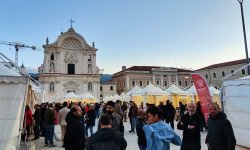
(69, 66)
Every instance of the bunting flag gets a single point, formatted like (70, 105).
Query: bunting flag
(203, 93)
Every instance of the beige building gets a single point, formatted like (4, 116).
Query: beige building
(107, 88)
(142, 75)
(215, 73)
(69, 66)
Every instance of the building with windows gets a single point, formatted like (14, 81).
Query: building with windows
(215, 73)
(142, 75)
(107, 86)
(69, 66)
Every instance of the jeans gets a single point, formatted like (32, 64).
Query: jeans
(37, 130)
(49, 134)
(133, 123)
(91, 129)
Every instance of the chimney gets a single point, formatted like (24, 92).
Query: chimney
(123, 68)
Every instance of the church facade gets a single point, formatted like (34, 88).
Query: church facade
(69, 66)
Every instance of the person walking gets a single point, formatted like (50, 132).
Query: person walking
(200, 113)
(133, 116)
(90, 120)
(74, 138)
(49, 119)
(140, 122)
(37, 118)
(106, 137)
(61, 120)
(158, 133)
(124, 109)
(190, 124)
(27, 122)
(170, 114)
(220, 135)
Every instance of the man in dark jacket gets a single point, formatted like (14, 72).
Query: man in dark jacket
(220, 135)
(106, 137)
(169, 113)
(190, 124)
(49, 118)
(37, 118)
(74, 138)
(141, 121)
(117, 122)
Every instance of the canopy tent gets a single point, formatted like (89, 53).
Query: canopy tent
(178, 95)
(235, 98)
(108, 98)
(124, 97)
(16, 90)
(70, 97)
(131, 91)
(215, 94)
(152, 94)
(87, 98)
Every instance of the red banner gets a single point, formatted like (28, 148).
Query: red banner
(203, 93)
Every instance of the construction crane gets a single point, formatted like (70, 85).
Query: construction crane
(17, 46)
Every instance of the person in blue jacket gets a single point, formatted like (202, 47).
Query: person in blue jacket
(158, 133)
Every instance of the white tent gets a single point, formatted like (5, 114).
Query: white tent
(213, 91)
(151, 94)
(116, 97)
(124, 97)
(236, 102)
(174, 89)
(14, 89)
(150, 89)
(70, 95)
(86, 96)
(131, 91)
(178, 95)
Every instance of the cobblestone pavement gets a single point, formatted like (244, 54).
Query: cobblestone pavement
(131, 139)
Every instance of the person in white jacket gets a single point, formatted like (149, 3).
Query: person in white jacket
(61, 119)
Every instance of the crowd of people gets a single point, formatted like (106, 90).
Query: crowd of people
(153, 125)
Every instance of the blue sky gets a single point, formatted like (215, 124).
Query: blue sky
(171, 33)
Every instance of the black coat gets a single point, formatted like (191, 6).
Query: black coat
(220, 135)
(140, 132)
(90, 117)
(106, 138)
(190, 134)
(74, 137)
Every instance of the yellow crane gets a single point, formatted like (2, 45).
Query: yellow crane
(17, 46)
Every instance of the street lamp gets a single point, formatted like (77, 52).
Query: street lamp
(244, 32)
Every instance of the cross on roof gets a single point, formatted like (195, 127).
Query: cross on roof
(71, 22)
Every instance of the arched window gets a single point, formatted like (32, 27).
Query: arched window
(111, 88)
(52, 57)
(89, 68)
(133, 83)
(223, 74)
(214, 74)
(141, 83)
(51, 87)
(243, 71)
(90, 87)
(232, 71)
(100, 88)
(52, 67)
(89, 58)
(165, 83)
